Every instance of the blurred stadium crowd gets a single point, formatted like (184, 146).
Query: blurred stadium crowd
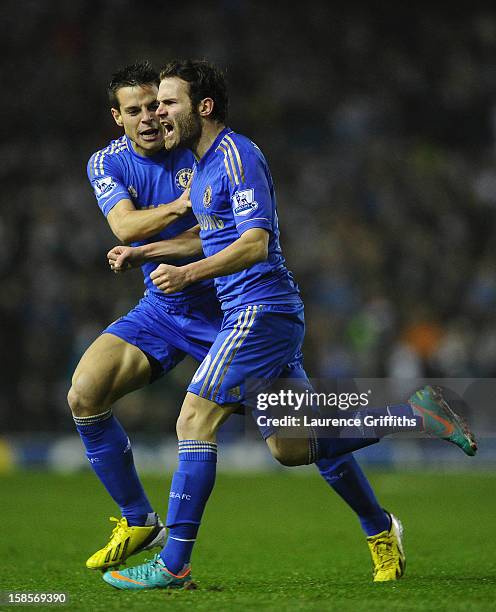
(379, 128)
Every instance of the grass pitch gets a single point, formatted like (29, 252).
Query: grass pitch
(278, 541)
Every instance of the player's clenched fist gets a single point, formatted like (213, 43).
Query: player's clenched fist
(169, 279)
(122, 258)
(183, 203)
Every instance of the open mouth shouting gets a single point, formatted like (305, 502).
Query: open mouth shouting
(168, 128)
(151, 134)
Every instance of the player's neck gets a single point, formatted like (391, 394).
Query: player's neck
(145, 152)
(210, 131)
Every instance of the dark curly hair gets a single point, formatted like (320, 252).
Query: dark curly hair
(205, 81)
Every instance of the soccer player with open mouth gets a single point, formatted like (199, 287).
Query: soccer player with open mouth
(142, 189)
(262, 331)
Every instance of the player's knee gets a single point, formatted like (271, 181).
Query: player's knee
(184, 426)
(75, 403)
(195, 425)
(84, 398)
(199, 419)
(288, 451)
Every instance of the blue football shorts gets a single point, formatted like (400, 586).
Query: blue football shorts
(168, 332)
(256, 345)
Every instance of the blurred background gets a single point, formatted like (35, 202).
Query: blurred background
(379, 125)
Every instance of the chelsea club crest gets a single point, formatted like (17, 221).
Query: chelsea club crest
(183, 177)
(207, 196)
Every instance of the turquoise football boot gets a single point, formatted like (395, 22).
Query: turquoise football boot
(440, 420)
(150, 575)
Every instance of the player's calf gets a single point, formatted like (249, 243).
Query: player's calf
(288, 451)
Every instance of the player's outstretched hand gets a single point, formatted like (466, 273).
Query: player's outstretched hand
(183, 203)
(169, 279)
(122, 258)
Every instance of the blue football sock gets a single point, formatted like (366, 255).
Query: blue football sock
(346, 477)
(109, 452)
(191, 486)
(323, 445)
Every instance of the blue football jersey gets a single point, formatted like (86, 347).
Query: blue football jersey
(118, 172)
(232, 192)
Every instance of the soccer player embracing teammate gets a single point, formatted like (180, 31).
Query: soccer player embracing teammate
(262, 330)
(142, 189)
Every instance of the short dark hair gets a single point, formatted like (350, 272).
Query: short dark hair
(139, 73)
(205, 81)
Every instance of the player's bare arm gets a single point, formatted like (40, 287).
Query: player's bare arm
(187, 244)
(249, 249)
(130, 224)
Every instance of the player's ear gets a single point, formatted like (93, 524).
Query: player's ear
(117, 116)
(206, 107)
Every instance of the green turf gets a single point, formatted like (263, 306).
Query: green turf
(271, 542)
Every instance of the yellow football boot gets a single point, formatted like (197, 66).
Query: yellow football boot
(126, 541)
(388, 556)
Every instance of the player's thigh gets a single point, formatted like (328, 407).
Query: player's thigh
(253, 346)
(109, 369)
(200, 418)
